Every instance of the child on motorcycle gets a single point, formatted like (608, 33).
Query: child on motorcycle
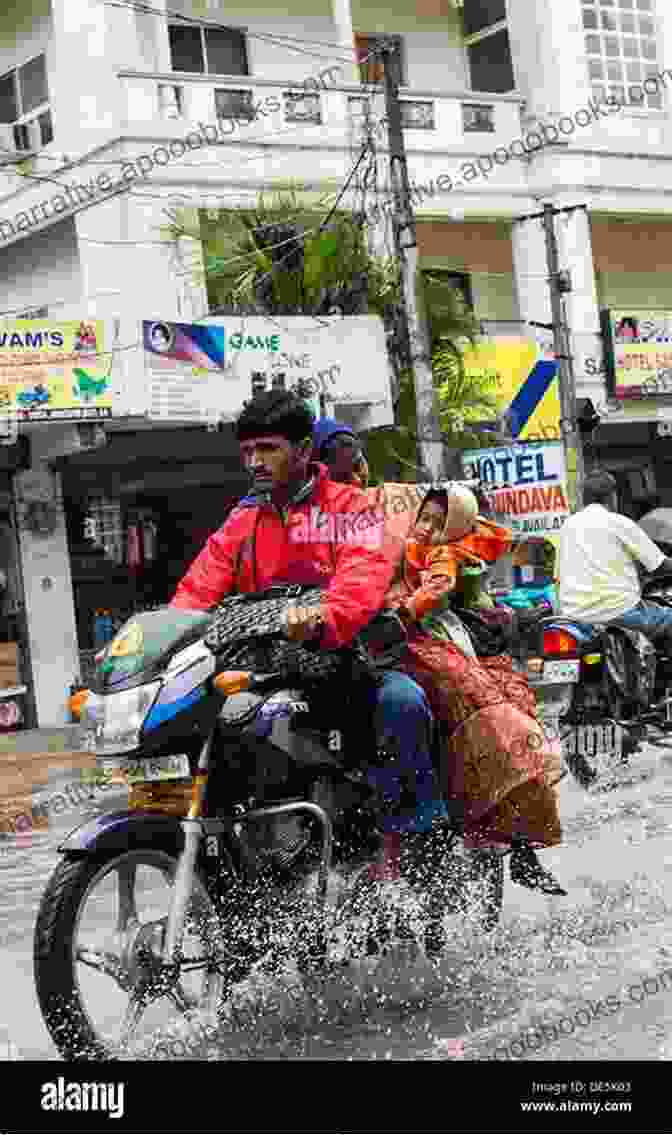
(496, 763)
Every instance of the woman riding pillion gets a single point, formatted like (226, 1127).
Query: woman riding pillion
(496, 759)
(498, 764)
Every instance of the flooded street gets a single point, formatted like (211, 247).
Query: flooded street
(587, 977)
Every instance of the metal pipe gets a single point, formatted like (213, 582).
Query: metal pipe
(327, 836)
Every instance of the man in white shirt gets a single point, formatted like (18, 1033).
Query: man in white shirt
(598, 556)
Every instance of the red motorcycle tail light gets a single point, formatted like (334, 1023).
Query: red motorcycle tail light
(559, 642)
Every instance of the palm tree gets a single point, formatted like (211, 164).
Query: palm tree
(283, 257)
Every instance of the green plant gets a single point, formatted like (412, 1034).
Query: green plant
(280, 258)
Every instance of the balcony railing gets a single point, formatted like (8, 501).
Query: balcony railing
(431, 120)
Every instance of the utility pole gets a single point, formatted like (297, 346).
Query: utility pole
(560, 284)
(430, 445)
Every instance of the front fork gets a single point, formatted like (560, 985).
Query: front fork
(193, 834)
(186, 867)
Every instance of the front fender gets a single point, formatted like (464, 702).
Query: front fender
(124, 831)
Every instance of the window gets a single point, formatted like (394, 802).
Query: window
(208, 51)
(487, 44)
(480, 14)
(490, 65)
(620, 40)
(371, 68)
(477, 118)
(417, 115)
(234, 104)
(24, 104)
(301, 107)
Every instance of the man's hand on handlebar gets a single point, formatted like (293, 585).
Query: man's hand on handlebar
(304, 624)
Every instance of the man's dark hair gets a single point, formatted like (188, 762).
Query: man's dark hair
(598, 487)
(275, 412)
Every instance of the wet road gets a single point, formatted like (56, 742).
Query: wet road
(579, 978)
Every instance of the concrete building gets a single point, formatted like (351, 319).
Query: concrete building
(123, 112)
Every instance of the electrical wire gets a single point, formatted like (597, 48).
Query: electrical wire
(293, 240)
(276, 266)
(282, 40)
(279, 39)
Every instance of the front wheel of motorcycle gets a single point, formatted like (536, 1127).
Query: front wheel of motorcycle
(100, 982)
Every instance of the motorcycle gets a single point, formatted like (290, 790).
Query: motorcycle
(605, 691)
(248, 840)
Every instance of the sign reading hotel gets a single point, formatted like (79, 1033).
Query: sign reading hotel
(641, 343)
(526, 484)
(54, 371)
(205, 371)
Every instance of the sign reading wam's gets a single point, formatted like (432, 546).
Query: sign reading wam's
(524, 376)
(54, 370)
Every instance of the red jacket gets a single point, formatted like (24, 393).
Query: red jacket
(330, 538)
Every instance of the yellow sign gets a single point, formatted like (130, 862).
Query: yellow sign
(54, 371)
(524, 382)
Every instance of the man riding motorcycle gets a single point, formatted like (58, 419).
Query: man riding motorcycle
(599, 550)
(285, 531)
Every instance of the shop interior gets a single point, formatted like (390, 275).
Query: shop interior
(136, 518)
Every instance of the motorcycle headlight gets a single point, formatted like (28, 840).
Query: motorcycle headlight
(113, 721)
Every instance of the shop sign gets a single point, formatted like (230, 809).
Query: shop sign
(526, 484)
(641, 345)
(54, 371)
(205, 371)
(522, 379)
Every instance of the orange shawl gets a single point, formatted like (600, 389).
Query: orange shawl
(430, 570)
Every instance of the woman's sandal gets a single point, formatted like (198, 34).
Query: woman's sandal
(527, 871)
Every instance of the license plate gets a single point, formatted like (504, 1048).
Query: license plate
(562, 670)
(603, 740)
(158, 768)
